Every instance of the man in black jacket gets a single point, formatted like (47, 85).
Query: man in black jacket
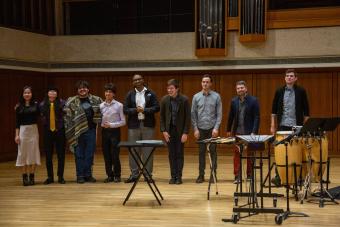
(175, 125)
(290, 107)
(140, 107)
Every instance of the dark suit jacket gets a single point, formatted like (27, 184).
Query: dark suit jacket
(151, 107)
(183, 115)
(301, 104)
(251, 115)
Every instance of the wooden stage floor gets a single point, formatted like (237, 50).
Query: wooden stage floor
(99, 204)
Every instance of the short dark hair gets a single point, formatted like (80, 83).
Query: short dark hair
(241, 82)
(292, 71)
(111, 87)
(137, 74)
(52, 88)
(173, 82)
(207, 76)
(82, 83)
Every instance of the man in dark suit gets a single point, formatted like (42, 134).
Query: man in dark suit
(244, 119)
(175, 124)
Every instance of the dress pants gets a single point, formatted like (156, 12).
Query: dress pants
(176, 154)
(206, 134)
(54, 139)
(110, 141)
(141, 133)
(237, 162)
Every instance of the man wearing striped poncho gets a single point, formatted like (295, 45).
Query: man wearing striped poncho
(81, 119)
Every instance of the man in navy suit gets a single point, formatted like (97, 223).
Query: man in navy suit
(244, 119)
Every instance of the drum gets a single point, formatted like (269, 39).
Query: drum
(315, 155)
(294, 152)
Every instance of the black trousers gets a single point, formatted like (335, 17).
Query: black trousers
(206, 134)
(110, 141)
(176, 153)
(54, 139)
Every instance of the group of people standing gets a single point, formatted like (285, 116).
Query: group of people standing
(76, 121)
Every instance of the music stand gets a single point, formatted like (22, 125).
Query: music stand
(279, 218)
(208, 142)
(253, 207)
(316, 127)
(132, 146)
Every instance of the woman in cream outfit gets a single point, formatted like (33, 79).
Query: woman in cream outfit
(27, 135)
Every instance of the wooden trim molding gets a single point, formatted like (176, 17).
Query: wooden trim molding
(301, 18)
(210, 52)
(296, 18)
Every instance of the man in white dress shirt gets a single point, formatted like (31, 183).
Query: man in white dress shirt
(140, 106)
(112, 119)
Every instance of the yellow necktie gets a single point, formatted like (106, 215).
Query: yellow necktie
(52, 117)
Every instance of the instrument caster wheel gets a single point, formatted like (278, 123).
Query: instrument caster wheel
(321, 203)
(236, 201)
(274, 202)
(279, 219)
(235, 218)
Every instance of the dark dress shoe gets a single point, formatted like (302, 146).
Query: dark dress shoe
(172, 181)
(109, 179)
(130, 179)
(80, 180)
(90, 179)
(49, 181)
(200, 179)
(237, 180)
(179, 181)
(61, 180)
(117, 179)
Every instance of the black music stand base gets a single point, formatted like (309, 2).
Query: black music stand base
(325, 197)
(279, 218)
(318, 126)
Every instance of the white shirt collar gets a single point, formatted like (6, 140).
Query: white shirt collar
(111, 103)
(142, 91)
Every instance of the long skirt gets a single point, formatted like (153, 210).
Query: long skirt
(28, 148)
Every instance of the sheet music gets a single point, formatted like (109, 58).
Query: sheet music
(222, 140)
(255, 138)
(150, 141)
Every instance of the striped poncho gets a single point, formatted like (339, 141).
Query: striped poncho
(75, 118)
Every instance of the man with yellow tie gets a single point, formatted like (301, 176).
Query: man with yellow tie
(51, 109)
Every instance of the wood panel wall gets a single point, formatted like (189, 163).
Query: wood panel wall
(323, 88)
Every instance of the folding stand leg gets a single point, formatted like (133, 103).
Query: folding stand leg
(279, 218)
(146, 173)
(132, 150)
(142, 166)
(306, 187)
(323, 191)
(212, 172)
